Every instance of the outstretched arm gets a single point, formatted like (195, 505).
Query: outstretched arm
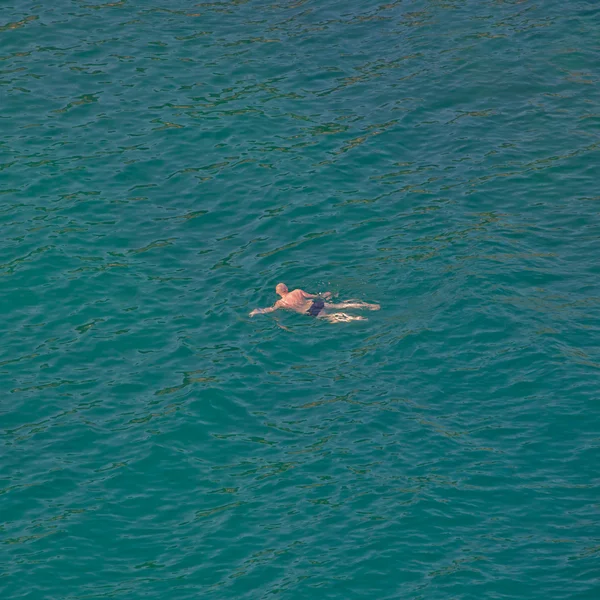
(262, 311)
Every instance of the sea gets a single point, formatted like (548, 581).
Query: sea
(164, 165)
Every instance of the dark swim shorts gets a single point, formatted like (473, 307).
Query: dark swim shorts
(317, 306)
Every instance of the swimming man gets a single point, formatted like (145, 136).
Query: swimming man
(314, 305)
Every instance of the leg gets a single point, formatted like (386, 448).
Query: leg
(340, 317)
(353, 304)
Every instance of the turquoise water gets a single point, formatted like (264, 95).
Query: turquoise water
(164, 164)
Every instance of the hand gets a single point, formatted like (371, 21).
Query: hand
(254, 312)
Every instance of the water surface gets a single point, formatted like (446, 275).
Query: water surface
(164, 165)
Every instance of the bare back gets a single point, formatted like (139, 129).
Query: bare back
(298, 301)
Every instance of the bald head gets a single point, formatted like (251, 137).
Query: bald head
(281, 289)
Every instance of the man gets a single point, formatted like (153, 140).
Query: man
(314, 305)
